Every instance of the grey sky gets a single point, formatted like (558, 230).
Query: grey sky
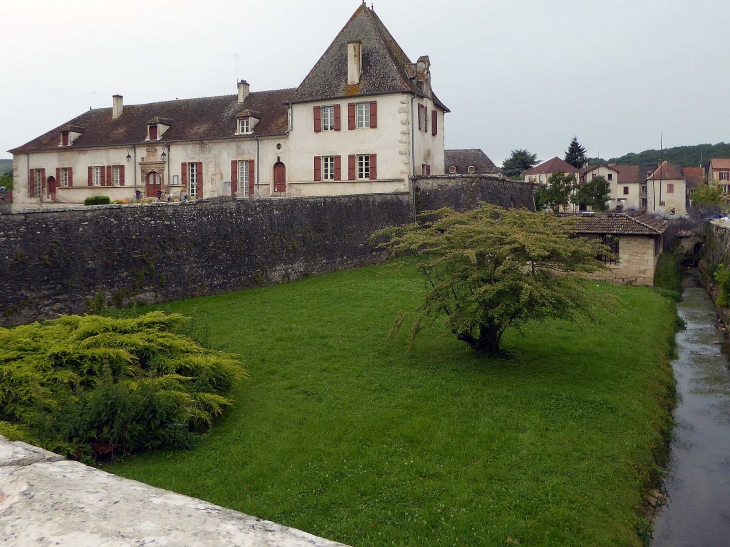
(515, 73)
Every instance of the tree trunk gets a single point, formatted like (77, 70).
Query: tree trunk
(488, 343)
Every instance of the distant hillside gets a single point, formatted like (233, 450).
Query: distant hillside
(685, 156)
(6, 167)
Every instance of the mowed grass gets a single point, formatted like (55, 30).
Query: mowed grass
(339, 431)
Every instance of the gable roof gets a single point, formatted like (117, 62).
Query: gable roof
(693, 175)
(720, 163)
(590, 168)
(385, 65)
(627, 173)
(554, 165)
(189, 119)
(621, 224)
(462, 159)
(667, 172)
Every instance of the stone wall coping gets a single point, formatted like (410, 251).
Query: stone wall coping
(46, 500)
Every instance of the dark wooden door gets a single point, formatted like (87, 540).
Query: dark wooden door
(279, 177)
(153, 184)
(52, 188)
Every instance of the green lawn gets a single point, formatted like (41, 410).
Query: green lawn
(342, 433)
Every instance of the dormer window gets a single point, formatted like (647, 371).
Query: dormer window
(471, 169)
(244, 126)
(64, 138)
(70, 134)
(156, 127)
(246, 121)
(153, 132)
(452, 169)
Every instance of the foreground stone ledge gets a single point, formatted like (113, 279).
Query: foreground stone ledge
(46, 500)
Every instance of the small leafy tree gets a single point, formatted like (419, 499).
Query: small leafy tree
(559, 189)
(576, 154)
(490, 269)
(519, 161)
(704, 194)
(595, 194)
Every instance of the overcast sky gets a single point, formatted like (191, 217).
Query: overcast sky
(515, 73)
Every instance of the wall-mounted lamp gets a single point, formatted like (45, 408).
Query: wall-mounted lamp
(129, 156)
(163, 156)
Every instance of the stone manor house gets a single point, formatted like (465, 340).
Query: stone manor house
(364, 120)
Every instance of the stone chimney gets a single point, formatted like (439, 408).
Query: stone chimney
(242, 91)
(117, 106)
(354, 62)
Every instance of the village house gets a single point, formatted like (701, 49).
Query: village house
(719, 173)
(469, 162)
(364, 120)
(635, 240)
(667, 191)
(540, 174)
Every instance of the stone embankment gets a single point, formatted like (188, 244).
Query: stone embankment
(46, 500)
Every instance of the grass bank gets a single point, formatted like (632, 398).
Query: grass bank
(343, 434)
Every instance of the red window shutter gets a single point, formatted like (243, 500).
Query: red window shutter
(109, 179)
(58, 176)
(373, 114)
(64, 138)
(428, 170)
(351, 116)
(70, 177)
(351, 167)
(153, 132)
(251, 177)
(317, 119)
(31, 183)
(43, 182)
(200, 180)
(121, 175)
(420, 117)
(234, 178)
(338, 167)
(184, 175)
(317, 168)
(373, 166)
(425, 118)
(434, 122)
(91, 176)
(338, 124)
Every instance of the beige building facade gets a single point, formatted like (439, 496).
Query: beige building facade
(364, 120)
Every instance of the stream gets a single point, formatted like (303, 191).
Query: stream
(697, 485)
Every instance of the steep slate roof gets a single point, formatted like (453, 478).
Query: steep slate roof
(693, 175)
(667, 172)
(383, 64)
(462, 159)
(620, 224)
(720, 163)
(552, 166)
(189, 119)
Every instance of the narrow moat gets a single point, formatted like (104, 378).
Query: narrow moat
(697, 486)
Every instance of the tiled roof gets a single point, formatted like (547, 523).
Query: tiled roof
(462, 159)
(554, 165)
(189, 119)
(620, 224)
(667, 172)
(693, 175)
(720, 163)
(628, 174)
(384, 64)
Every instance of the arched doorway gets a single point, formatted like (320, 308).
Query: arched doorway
(51, 188)
(279, 177)
(154, 186)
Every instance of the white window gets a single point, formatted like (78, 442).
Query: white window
(116, 175)
(243, 179)
(724, 175)
(328, 118)
(244, 125)
(98, 173)
(362, 115)
(193, 180)
(64, 177)
(38, 182)
(363, 166)
(328, 168)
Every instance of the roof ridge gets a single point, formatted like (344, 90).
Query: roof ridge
(379, 27)
(641, 222)
(232, 95)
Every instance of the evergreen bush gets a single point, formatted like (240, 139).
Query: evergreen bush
(97, 200)
(97, 386)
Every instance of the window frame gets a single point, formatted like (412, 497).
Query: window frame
(243, 178)
(98, 175)
(328, 168)
(626, 190)
(116, 175)
(64, 177)
(327, 113)
(244, 126)
(724, 175)
(362, 115)
(670, 188)
(193, 180)
(362, 167)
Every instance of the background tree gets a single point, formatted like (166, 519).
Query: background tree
(705, 194)
(594, 194)
(559, 189)
(519, 161)
(576, 154)
(490, 269)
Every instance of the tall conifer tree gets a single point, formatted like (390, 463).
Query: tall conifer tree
(576, 154)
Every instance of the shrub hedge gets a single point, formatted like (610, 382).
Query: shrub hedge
(98, 387)
(97, 200)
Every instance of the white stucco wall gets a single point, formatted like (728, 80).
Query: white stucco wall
(676, 200)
